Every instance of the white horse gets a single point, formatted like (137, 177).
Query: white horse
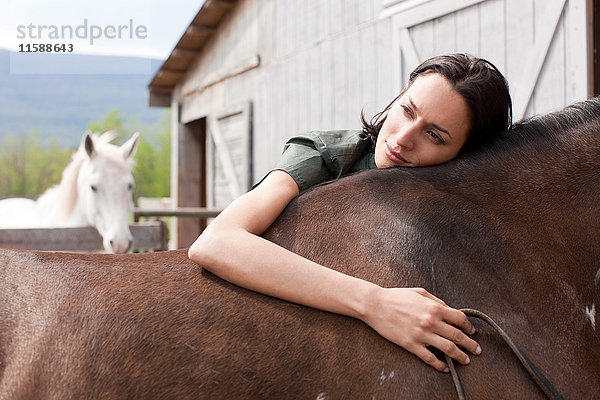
(95, 190)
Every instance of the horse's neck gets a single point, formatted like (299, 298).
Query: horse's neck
(61, 200)
(49, 211)
(538, 171)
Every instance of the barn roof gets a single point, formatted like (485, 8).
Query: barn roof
(190, 46)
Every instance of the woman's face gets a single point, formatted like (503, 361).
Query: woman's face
(427, 125)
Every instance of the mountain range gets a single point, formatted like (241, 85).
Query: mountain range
(63, 104)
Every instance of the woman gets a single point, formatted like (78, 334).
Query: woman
(450, 105)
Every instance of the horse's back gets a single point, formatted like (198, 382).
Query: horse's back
(18, 213)
(159, 326)
(40, 213)
(76, 326)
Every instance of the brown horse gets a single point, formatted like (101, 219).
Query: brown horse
(513, 230)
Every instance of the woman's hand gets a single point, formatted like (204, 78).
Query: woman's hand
(414, 319)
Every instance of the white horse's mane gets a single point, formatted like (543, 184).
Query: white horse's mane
(67, 188)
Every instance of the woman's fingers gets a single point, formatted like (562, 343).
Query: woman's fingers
(456, 336)
(458, 318)
(429, 358)
(450, 349)
(425, 293)
(452, 316)
(449, 336)
(414, 319)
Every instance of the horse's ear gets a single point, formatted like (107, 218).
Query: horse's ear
(130, 147)
(87, 143)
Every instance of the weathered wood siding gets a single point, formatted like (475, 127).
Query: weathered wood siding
(322, 61)
(318, 68)
(229, 155)
(540, 45)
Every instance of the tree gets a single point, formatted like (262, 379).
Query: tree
(152, 171)
(27, 168)
(113, 121)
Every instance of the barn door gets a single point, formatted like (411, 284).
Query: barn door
(594, 16)
(191, 175)
(539, 45)
(229, 142)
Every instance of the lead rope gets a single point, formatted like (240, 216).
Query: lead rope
(539, 378)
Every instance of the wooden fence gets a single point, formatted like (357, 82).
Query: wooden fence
(199, 216)
(191, 212)
(147, 236)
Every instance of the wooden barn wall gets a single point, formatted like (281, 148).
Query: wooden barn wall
(319, 66)
(321, 62)
(508, 32)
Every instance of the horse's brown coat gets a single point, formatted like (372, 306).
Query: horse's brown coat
(514, 232)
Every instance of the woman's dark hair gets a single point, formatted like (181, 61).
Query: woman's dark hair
(480, 84)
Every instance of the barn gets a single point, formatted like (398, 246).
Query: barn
(248, 74)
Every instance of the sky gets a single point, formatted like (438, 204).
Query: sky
(145, 28)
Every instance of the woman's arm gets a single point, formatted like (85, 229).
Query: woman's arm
(411, 318)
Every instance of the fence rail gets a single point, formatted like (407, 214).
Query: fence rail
(147, 236)
(197, 212)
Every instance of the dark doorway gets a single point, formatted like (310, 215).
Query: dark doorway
(594, 24)
(192, 179)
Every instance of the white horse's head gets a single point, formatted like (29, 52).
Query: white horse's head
(105, 186)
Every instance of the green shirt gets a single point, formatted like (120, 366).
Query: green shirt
(319, 156)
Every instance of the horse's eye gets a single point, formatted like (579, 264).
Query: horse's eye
(94, 188)
(130, 186)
